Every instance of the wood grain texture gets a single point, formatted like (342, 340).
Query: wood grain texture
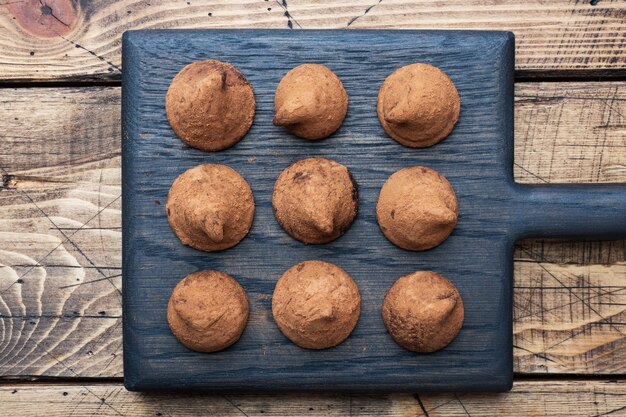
(569, 297)
(60, 261)
(570, 132)
(82, 40)
(477, 257)
(569, 318)
(528, 398)
(83, 124)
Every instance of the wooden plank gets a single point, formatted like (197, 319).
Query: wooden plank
(569, 318)
(67, 40)
(570, 132)
(63, 153)
(60, 260)
(528, 398)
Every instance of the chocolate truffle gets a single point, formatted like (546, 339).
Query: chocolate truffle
(315, 200)
(208, 311)
(310, 102)
(417, 208)
(210, 105)
(316, 305)
(418, 105)
(210, 207)
(423, 311)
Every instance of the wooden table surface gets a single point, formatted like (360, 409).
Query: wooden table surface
(60, 233)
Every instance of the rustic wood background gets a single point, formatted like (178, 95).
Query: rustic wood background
(60, 235)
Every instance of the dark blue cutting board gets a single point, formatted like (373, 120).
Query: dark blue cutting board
(477, 158)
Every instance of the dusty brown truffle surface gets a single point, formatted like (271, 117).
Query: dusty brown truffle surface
(210, 105)
(423, 312)
(418, 105)
(315, 200)
(316, 305)
(208, 311)
(210, 207)
(417, 208)
(310, 102)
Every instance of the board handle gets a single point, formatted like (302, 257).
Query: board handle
(571, 210)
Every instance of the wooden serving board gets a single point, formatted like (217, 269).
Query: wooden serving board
(476, 158)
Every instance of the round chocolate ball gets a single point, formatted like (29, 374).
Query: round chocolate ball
(417, 208)
(210, 105)
(315, 200)
(418, 105)
(208, 311)
(310, 102)
(210, 207)
(423, 312)
(316, 305)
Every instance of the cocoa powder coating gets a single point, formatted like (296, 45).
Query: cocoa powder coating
(418, 105)
(316, 305)
(210, 207)
(315, 200)
(208, 311)
(417, 208)
(310, 102)
(210, 105)
(423, 312)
